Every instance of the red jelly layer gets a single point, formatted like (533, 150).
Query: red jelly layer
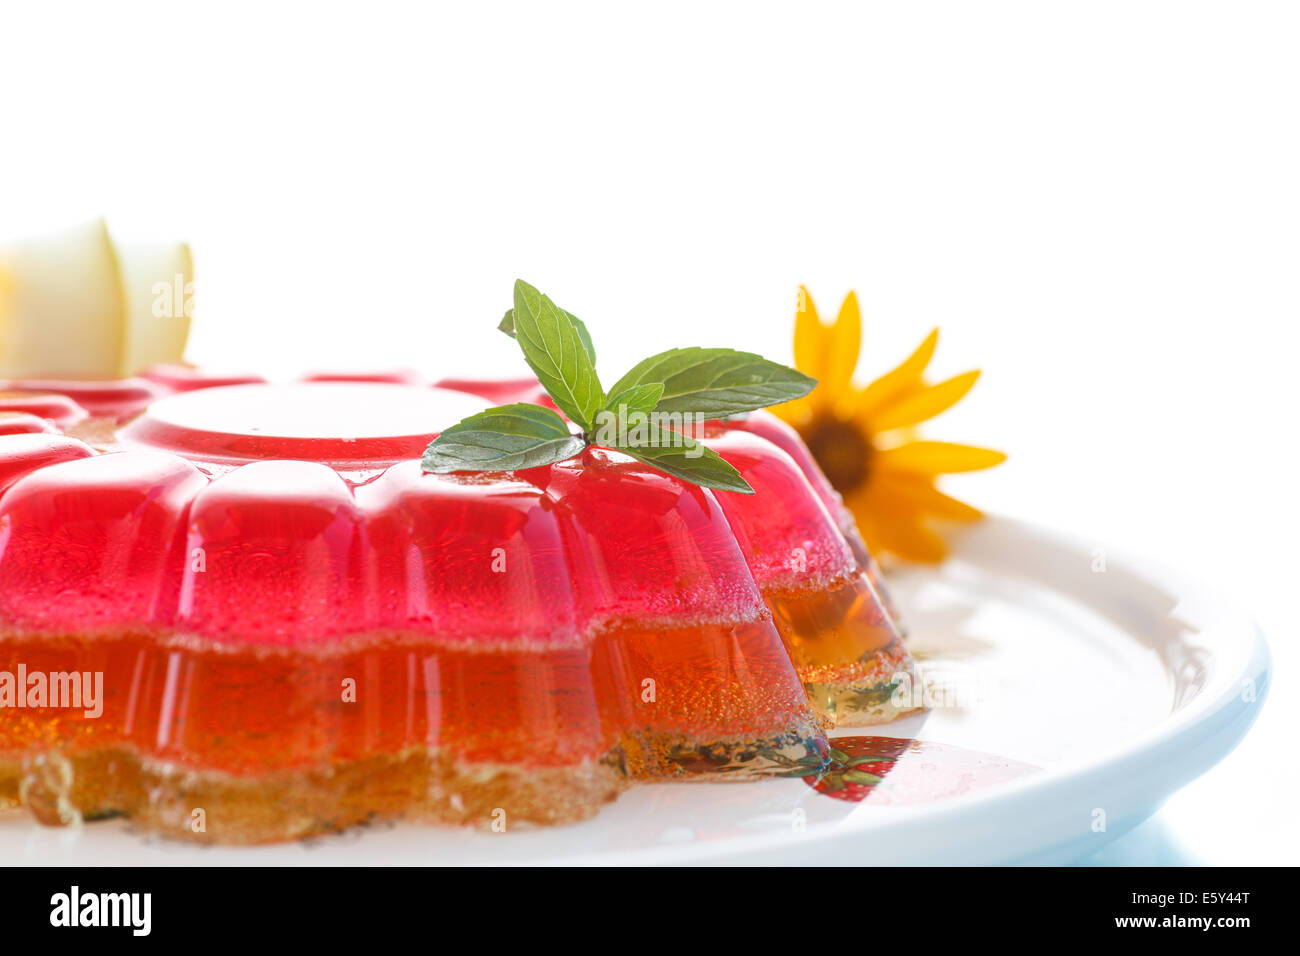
(271, 587)
(118, 400)
(767, 426)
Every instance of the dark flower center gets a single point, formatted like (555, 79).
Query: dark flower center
(842, 450)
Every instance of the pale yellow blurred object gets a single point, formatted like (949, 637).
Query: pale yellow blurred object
(75, 305)
(158, 281)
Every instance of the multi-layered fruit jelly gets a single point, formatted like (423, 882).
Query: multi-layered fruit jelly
(693, 669)
(247, 615)
(767, 426)
(837, 631)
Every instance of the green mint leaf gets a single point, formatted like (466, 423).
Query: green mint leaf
(717, 382)
(507, 325)
(506, 438)
(682, 457)
(629, 406)
(638, 398)
(554, 350)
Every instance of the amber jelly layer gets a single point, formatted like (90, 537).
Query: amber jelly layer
(846, 651)
(274, 745)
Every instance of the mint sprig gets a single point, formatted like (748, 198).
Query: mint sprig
(683, 457)
(506, 438)
(554, 350)
(638, 398)
(640, 416)
(507, 325)
(716, 382)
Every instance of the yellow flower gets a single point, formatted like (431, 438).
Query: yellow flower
(865, 438)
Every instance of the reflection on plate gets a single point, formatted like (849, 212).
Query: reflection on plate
(895, 771)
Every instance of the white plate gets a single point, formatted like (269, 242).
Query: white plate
(1118, 679)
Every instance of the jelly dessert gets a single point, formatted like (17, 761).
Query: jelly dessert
(761, 423)
(242, 613)
(766, 425)
(840, 636)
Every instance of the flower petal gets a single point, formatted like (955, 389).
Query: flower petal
(810, 337)
(922, 404)
(797, 412)
(844, 341)
(896, 531)
(938, 457)
(875, 395)
(920, 494)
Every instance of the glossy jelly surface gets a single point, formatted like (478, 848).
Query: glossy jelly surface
(294, 630)
(767, 426)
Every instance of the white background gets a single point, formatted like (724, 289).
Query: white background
(1098, 202)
